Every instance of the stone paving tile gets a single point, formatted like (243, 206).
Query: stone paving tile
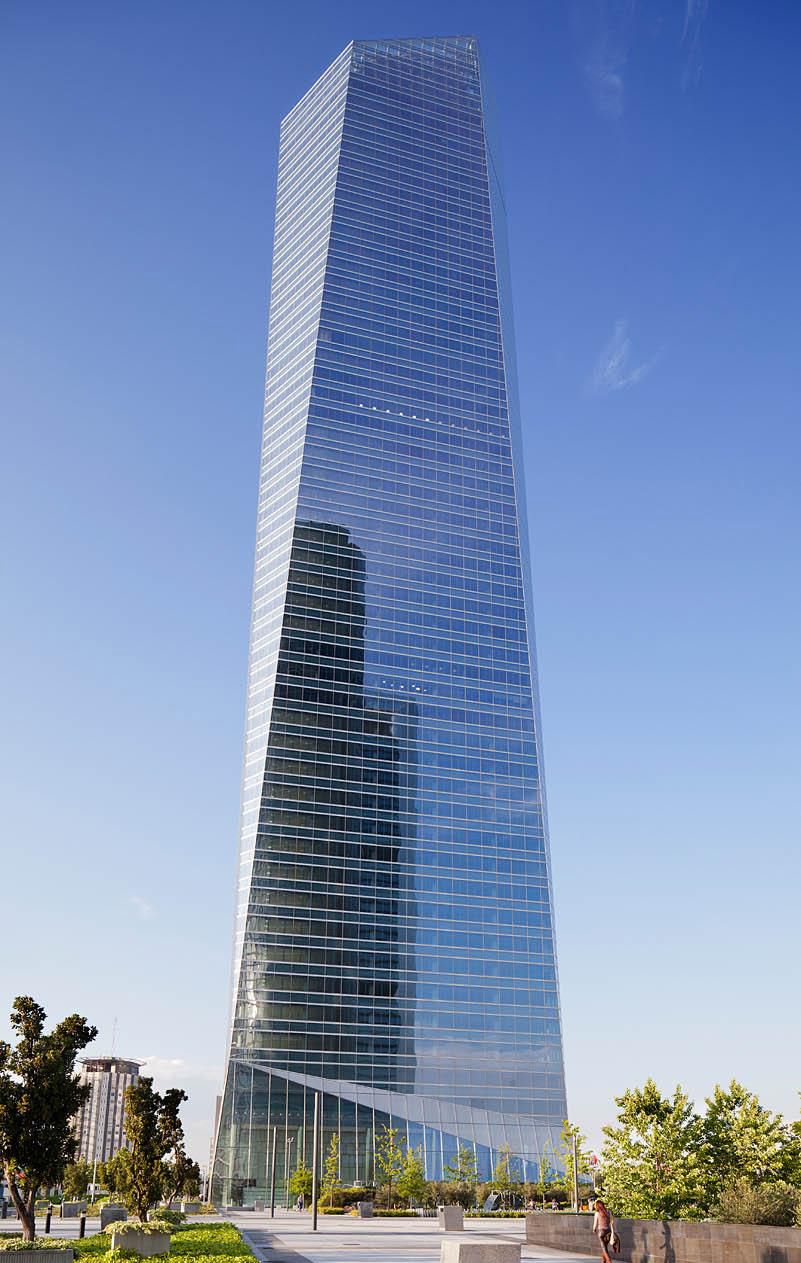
(289, 1239)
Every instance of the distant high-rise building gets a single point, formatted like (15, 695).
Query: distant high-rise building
(99, 1124)
(394, 945)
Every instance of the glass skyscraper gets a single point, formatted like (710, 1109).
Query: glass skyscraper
(394, 945)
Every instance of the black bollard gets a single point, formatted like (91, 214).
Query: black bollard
(4, 1211)
(47, 1219)
(82, 1226)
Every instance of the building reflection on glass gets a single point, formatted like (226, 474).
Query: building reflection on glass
(327, 984)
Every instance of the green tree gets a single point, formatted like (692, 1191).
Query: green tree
(181, 1173)
(503, 1180)
(39, 1096)
(331, 1181)
(111, 1174)
(566, 1154)
(412, 1179)
(300, 1181)
(653, 1159)
(388, 1160)
(153, 1131)
(547, 1173)
(743, 1140)
(77, 1177)
(463, 1169)
(462, 1175)
(181, 1176)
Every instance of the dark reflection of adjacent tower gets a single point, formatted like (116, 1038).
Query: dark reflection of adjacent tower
(327, 985)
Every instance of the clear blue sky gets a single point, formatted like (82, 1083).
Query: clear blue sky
(651, 154)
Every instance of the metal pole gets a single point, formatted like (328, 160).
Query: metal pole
(272, 1179)
(575, 1174)
(290, 1143)
(315, 1160)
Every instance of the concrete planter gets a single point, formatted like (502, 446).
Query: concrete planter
(657, 1241)
(71, 1210)
(450, 1218)
(365, 1210)
(192, 1208)
(112, 1215)
(146, 1244)
(485, 1251)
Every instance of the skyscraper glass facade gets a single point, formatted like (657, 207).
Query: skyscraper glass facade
(394, 943)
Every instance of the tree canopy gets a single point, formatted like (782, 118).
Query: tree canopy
(153, 1130)
(744, 1140)
(40, 1094)
(653, 1159)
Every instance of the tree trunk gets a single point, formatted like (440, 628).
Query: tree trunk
(26, 1209)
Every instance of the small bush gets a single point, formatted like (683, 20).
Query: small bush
(740, 1202)
(330, 1210)
(393, 1214)
(173, 1217)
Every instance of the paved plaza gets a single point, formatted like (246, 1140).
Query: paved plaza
(343, 1239)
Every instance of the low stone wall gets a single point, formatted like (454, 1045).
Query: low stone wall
(655, 1241)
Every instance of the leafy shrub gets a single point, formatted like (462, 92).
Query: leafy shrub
(330, 1210)
(741, 1202)
(393, 1214)
(173, 1217)
(12, 1244)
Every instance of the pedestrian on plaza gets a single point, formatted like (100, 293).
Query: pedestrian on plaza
(301, 1202)
(604, 1226)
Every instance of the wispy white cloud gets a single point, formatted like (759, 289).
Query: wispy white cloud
(604, 76)
(614, 369)
(144, 910)
(603, 30)
(694, 16)
(176, 1072)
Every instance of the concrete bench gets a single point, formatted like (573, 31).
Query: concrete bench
(479, 1252)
